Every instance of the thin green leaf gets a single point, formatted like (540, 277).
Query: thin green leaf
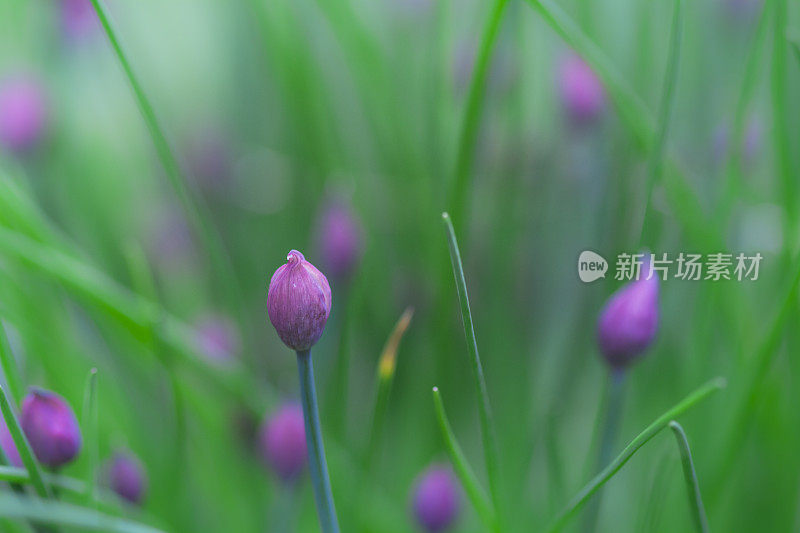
(484, 409)
(63, 514)
(640, 440)
(473, 110)
(689, 474)
(89, 419)
(465, 474)
(23, 447)
(10, 368)
(656, 160)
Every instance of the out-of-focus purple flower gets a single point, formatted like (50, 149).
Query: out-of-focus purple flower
(436, 499)
(23, 112)
(217, 338)
(629, 321)
(172, 239)
(282, 442)
(78, 18)
(50, 427)
(8, 446)
(210, 161)
(298, 302)
(127, 478)
(751, 144)
(339, 239)
(580, 90)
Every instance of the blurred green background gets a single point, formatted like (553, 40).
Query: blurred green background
(273, 108)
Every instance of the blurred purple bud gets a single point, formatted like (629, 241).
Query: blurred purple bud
(8, 446)
(282, 442)
(436, 499)
(23, 113)
(78, 18)
(172, 239)
(210, 161)
(298, 302)
(339, 240)
(50, 427)
(217, 338)
(127, 478)
(629, 321)
(751, 144)
(582, 94)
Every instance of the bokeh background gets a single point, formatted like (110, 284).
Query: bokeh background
(277, 110)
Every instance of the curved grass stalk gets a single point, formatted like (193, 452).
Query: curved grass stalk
(640, 440)
(465, 474)
(89, 423)
(468, 136)
(656, 160)
(484, 409)
(25, 452)
(192, 206)
(10, 368)
(689, 474)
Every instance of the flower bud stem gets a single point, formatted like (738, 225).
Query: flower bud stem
(316, 451)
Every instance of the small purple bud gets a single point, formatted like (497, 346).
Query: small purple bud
(629, 320)
(51, 427)
(436, 499)
(8, 446)
(339, 240)
(282, 442)
(127, 478)
(23, 113)
(581, 92)
(298, 302)
(78, 18)
(217, 338)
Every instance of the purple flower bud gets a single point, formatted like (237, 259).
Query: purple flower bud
(581, 92)
(78, 18)
(51, 427)
(282, 442)
(23, 113)
(339, 238)
(629, 320)
(8, 446)
(436, 499)
(127, 478)
(298, 302)
(217, 338)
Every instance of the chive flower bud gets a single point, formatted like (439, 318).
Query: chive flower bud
(436, 499)
(298, 302)
(23, 113)
(127, 478)
(339, 240)
(8, 446)
(216, 338)
(50, 427)
(282, 442)
(581, 92)
(629, 321)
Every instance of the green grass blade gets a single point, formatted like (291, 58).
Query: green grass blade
(689, 474)
(484, 409)
(63, 514)
(794, 41)
(10, 368)
(468, 136)
(25, 452)
(90, 431)
(192, 205)
(656, 160)
(464, 472)
(640, 440)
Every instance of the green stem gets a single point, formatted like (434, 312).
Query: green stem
(484, 409)
(316, 451)
(89, 423)
(689, 474)
(468, 137)
(464, 472)
(23, 447)
(10, 369)
(640, 440)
